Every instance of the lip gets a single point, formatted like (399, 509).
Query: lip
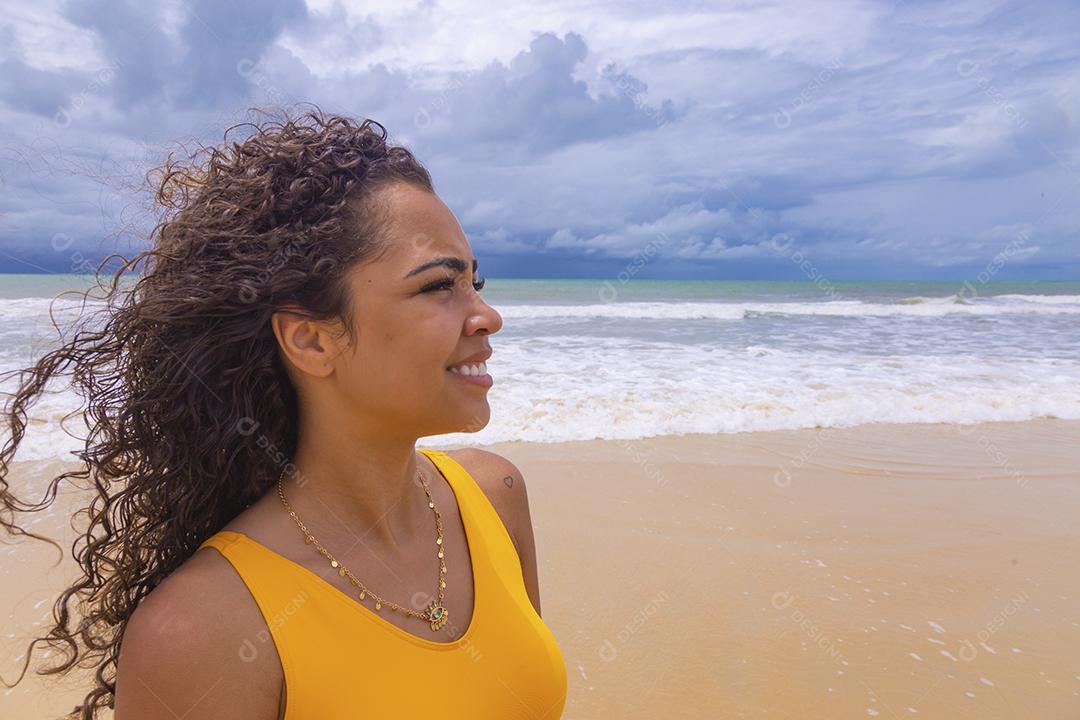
(484, 380)
(478, 357)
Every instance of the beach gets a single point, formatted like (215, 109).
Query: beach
(776, 310)
(883, 570)
(878, 571)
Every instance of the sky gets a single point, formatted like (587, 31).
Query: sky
(729, 140)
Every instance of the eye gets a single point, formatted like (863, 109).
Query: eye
(448, 284)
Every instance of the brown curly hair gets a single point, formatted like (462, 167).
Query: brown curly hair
(180, 358)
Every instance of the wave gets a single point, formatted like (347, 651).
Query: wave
(914, 307)
(561, 388)
(1043, 299)
(948, 300)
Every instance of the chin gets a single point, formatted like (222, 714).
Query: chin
(475, 422)
(461, 422)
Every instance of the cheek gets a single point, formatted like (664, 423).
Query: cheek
(405, 356)
(400, 367)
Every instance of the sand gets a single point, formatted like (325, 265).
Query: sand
(892, 571)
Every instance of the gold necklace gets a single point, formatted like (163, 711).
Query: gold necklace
(435, 613)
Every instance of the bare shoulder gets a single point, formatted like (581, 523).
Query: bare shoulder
(504, 485)
(195, 647)
(501, 481)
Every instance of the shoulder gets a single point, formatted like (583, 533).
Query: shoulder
(502, 483)
(504, 486)
(194, 645)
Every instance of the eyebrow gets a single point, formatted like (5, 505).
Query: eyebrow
(451, 262)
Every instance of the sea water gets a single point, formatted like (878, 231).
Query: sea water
(584, 359)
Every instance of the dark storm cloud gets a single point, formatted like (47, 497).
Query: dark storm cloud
(200, 67)
(536, 102)
(41, 92)
(219, 36)
(525, 108)
(131, 39)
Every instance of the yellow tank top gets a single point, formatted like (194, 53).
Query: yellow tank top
(342, 660)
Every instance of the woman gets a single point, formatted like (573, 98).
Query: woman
(269, 541)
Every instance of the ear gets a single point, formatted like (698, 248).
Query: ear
(307, 344)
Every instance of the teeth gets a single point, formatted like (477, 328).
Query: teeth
(473, 369)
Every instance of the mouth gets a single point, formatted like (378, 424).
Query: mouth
(472, 373)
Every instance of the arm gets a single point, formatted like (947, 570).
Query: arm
(187, 650)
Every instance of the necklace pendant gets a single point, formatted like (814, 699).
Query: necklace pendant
(436, 615)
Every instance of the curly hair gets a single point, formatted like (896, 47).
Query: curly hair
(184, 359)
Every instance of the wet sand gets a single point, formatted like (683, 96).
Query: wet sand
(892, 571)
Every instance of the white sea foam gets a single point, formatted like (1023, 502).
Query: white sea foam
(916, 307)
(563, 388)
(611, 371)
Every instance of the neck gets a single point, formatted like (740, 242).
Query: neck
(353, 491)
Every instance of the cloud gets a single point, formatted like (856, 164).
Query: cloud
(130, 39)
(219, 36)
(534, 104)
(196, 67)
(41, 92)
(885, 140)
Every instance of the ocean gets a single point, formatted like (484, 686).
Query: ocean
(613, 359)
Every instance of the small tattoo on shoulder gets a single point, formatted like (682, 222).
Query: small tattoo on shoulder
(509, 480)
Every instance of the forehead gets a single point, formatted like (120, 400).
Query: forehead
(419, 226)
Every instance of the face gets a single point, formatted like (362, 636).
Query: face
(417, 313)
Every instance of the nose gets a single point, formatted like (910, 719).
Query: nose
(484, 319)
